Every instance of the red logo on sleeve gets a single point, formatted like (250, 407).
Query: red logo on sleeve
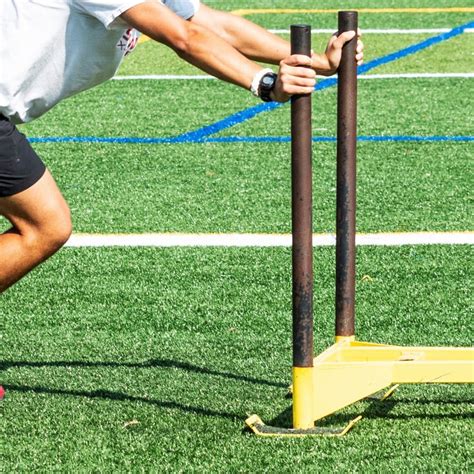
(128, 41)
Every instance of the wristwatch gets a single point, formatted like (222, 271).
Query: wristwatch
(266, 85)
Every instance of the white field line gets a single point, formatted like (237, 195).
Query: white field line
(391, 31)
(409, 75)
(263, 240)
(163, 77)
(418, 75)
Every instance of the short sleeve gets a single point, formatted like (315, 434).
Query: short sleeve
(183, 8)
(106, 11)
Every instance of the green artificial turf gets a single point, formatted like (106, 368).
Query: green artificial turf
(148, 108)
(333, 4)
(385, 107)
(246, 187)
(141, 108)
(447, 57)
(150, 360)
(366, 20)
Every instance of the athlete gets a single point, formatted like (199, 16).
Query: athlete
(53, 49)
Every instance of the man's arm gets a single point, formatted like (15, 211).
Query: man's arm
(203, 48)
(250, 39)
(259, 44)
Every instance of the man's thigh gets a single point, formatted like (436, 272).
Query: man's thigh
(20, 166)
(41, 207)
(29, 196)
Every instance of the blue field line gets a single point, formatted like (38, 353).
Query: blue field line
(251, 112)
(458, 30)
(118, 140)
(361, 138)
(242, 116)
(254, 139)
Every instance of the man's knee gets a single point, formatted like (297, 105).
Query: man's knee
(61, 230)
(40, 217)
(51, 234)
(58, 230)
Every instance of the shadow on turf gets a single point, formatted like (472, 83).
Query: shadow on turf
(118, 396)
(376, 410)
(110, 395)
(153, 363)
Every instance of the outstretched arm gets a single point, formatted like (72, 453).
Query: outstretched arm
(250, 39)
(200, 46)
(259, 44)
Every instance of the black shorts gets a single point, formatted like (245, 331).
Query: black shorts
(20, 166)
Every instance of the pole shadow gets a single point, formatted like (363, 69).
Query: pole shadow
(105, 394)
(119, 396)
(379, 409)
(152, 363)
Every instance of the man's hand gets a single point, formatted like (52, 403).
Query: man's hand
(295, 76)
(327, 63)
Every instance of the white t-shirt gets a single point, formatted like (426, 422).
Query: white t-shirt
(52, 49)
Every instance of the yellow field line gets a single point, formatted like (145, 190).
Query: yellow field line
(267, 11)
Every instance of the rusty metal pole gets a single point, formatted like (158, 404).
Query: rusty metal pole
(302, 251)
(346, 181)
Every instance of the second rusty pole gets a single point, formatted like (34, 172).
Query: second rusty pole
(346, 181)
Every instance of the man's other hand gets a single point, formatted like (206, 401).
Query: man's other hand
(327, 63)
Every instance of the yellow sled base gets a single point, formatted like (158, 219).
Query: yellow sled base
(350, 371)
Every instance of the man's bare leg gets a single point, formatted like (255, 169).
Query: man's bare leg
(41, 225)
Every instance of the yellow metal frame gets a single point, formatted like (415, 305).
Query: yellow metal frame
(350, 371)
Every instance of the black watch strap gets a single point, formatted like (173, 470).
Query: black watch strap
(267, 84)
